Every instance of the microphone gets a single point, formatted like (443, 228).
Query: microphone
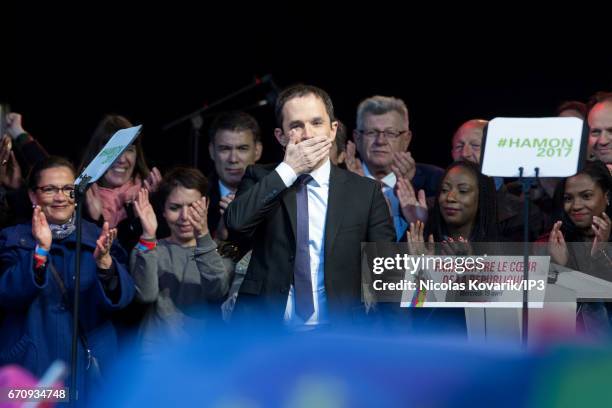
(258, 104)
(270, 97)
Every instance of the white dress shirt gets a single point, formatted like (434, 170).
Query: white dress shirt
(318, 193)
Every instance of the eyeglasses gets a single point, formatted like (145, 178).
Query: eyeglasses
(50, 191)
(388, 133)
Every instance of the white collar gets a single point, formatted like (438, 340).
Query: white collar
(389, 180)
(321, 175)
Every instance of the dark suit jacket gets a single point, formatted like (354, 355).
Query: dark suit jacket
(214, 195)
(265, 210)
(427, 177)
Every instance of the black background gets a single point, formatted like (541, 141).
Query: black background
(64, 68)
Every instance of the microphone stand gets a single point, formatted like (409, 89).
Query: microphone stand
(79, 192)
(196, 125)
(526, 183)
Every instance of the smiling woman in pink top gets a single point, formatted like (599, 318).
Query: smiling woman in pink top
(110, 198)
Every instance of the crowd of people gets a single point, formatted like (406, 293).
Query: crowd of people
(163, 253)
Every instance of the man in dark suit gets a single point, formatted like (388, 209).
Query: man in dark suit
(306, 220)
(235, 143)
(382, 139)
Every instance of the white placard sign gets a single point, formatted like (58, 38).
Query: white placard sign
(109, 153)
(553, 145)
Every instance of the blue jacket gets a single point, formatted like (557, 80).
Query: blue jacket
(35, 323)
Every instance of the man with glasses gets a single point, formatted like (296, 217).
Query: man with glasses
(382, 139)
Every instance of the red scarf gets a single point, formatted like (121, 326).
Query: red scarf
(115, 199)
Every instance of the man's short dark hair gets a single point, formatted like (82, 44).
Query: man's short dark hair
(235, 121)
(297, 91)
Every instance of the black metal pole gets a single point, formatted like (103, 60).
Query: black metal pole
(196, 125)
(526, 183)
(257, 82)
(526, 195)
(79, 200)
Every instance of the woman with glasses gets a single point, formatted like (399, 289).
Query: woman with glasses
(37, 281)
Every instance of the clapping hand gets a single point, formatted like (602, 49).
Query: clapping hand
(145, 212)
(601, 227)
(557, 246)
(103, 246)
(413, 208)
(153, 181)
(352, 162)
(416, 242)
(40, 229)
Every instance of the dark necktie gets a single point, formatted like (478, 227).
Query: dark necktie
(302, 282)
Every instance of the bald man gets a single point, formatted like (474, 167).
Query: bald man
(466, 145)
(467, 141)
(600, 128)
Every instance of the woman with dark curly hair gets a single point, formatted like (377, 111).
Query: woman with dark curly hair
(465, 207)
(579, 240)
(464, 213)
